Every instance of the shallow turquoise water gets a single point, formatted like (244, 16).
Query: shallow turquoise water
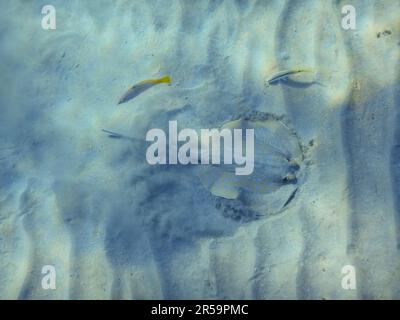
(324, 193)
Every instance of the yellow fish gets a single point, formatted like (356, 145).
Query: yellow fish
(142, 86)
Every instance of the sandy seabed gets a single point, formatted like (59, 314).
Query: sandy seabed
(115, 227)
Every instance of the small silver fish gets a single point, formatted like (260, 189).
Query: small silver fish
(282, 75)
(141, 87)
(115, 135)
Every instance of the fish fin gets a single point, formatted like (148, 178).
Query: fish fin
(318, 79)
(322, 77)
(165, 79)
(325, 73)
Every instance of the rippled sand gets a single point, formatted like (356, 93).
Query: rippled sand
(115, 227)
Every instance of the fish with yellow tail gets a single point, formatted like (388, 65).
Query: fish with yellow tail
(141, 87)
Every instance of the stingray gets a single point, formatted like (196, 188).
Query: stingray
(278, 158)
